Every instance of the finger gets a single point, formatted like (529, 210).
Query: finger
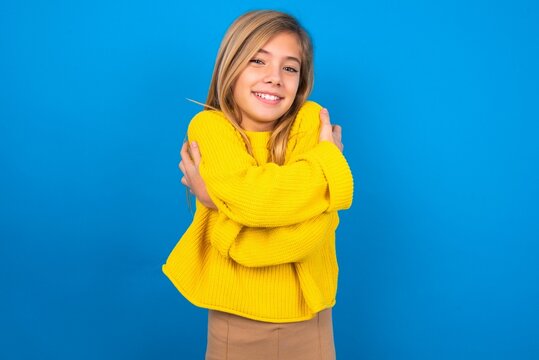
(186, 159)
(182, 167)
(337, 132)
(326, 133)
(184, 144)
(324, 116)
(195, 153)
(185, 182)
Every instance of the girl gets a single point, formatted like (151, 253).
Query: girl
(268, 172)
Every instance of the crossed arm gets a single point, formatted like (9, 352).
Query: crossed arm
(191, 157)
(257, 233)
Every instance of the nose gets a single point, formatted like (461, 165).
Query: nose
(273, 75)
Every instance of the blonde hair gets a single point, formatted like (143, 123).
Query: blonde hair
(243, 39)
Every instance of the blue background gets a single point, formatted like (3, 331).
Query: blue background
(439, 255)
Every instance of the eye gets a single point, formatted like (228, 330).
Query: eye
(257, 61)
(291, 69)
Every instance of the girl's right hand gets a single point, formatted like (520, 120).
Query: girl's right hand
(328, 132)
(191, 175)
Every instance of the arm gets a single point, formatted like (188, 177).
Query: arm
(311, 183)
(254, 247)
(302, 137)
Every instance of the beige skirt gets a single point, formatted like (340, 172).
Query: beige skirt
(232, 337)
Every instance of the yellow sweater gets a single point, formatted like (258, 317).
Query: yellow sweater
(268, 252)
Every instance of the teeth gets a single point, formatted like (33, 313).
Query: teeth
(267, 96)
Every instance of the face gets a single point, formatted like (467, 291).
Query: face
(267, 87)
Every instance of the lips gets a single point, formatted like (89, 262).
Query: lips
(267, 98)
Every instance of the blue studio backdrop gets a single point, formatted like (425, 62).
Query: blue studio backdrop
(438, 103)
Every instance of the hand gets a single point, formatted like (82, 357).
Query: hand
(192, 179)
(328, 132)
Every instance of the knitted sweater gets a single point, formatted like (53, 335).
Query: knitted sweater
(268, 252)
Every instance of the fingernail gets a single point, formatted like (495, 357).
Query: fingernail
(194, 144)
(325, 110)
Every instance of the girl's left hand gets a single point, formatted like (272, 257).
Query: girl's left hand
(192, 178)
(328, 132)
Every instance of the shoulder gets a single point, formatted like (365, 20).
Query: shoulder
(210, 120)
(310, 108)
(212, 123)
(308, 117)
(305, 130)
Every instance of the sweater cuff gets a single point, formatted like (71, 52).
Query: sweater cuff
(338, 175)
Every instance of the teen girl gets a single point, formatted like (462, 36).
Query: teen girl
(267, 169)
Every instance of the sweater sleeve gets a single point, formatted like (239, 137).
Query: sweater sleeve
(268, 195)
(256, 247)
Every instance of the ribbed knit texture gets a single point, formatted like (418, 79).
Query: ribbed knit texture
(268, 252)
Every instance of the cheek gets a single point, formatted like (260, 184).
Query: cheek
(237, 86)
(246, 78)
(294, 86)
(240, 87)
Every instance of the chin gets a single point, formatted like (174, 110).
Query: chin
(271, 118)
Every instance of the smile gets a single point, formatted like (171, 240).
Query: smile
(267, 96)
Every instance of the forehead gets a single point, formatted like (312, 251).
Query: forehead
(284, 44)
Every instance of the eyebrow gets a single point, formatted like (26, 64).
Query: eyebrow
(288, 57)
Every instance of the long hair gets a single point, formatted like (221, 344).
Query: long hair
(243, 39)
